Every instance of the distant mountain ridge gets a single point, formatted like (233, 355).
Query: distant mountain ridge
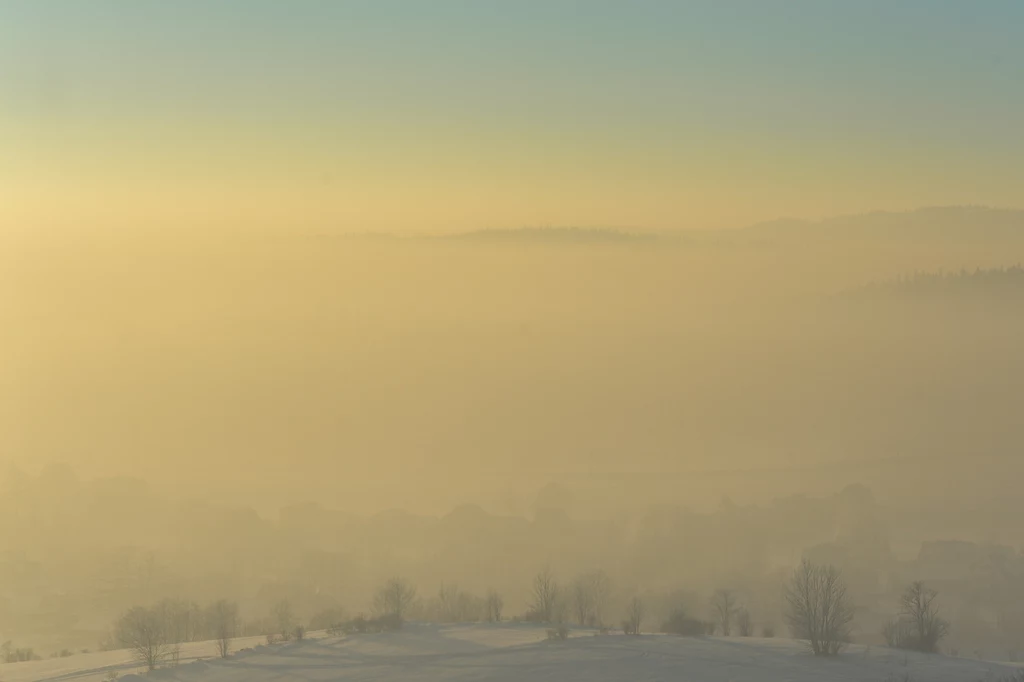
(947, 221)
(951, 222)
(552, 234)
(957, 222)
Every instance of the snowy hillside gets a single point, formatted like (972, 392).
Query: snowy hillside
(512, 653)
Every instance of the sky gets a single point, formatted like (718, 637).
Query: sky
(458, 115)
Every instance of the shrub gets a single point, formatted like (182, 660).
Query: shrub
(919, 625)
(394, 598)
(328, 618)
(300, 632)
(561, 633)
(768, 631)
(11, 655)
(388, 622)
(744, 623)
(362, 625)
(679, 623)
(897, 634)
(359, 624)
(635, 616)
(282, 616)
(452, 605)
(107, 643)
(531, 616)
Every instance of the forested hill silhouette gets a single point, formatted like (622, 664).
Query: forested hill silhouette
(942, 224)
(551, 235)
(971, 224)
(979, 284)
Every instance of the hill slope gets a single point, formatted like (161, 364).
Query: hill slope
(513, 653)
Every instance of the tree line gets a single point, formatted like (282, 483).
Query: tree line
(818, 609)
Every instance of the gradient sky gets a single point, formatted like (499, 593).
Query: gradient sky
(441, 116)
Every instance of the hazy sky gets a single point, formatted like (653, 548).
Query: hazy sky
(462, 115)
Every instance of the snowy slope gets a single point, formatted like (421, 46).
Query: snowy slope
(511, 653)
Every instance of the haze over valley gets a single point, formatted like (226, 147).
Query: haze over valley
(511, 341)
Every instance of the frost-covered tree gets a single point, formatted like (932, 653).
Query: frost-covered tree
(144, 632)
(818, 608)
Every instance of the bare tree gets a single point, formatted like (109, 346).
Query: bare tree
(494, 605)
(144, 632)
(471, 608)
(222, 621)
(283, 618)
(453, 605)
(723, 603)
(818, 608)
(600, 590)
(744, 623)
(634, 616)
(194, 623)
(582, 599)
(182, 620)
(897, 633)
(588, 594)
(545, 596)
(448, 603)
(394, 598)
(919, 611)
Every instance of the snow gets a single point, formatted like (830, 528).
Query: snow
(509, 653)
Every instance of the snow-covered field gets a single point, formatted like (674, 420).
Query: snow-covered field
(511, 653)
